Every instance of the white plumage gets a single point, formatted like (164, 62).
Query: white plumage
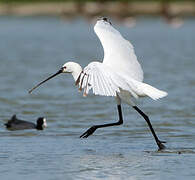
(120, 71)
(102, 79)
(119, 75)
(118, 52)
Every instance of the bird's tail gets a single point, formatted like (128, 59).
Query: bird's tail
(13, 117)
(152, 92)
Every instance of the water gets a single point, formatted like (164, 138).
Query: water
(33, 48)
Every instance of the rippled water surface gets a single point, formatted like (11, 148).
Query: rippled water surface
(33, 48)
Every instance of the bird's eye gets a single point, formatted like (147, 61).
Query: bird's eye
(64, 67)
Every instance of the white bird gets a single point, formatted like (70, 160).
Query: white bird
(119, 75)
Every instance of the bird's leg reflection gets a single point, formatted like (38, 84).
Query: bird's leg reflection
(91, 130)
(158, 142)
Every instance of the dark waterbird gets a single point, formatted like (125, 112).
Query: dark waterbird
(16, 124)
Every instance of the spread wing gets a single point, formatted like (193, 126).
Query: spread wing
(118, 52)
(102, 80)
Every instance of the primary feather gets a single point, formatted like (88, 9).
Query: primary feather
(120, 72)
(118, 52)
(102, 80)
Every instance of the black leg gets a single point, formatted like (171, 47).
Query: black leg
(158, 142)
(91, 130)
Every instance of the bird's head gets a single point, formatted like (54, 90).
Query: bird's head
(41, 123)
(69, 67)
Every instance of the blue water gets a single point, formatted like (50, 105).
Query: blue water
(32, 48)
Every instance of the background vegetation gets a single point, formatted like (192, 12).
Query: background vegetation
(26, 1)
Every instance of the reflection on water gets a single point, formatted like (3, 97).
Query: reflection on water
(33, 48)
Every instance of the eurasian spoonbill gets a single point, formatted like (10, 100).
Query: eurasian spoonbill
(119, 75)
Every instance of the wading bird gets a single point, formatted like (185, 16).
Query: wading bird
(119, 75)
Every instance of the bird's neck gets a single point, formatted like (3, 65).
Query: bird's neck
(76, 71)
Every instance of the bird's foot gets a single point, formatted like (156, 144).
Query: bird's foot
(160, 144)
(89, 132)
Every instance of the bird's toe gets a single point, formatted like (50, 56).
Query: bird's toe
(89, 132)
(161, 145)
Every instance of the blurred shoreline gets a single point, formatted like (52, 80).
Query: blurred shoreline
(93, 9)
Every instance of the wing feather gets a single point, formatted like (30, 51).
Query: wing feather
(107, 85)
(102, 80)
(118, 52)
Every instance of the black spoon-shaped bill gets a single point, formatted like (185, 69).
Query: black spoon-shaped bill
(59, 72)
